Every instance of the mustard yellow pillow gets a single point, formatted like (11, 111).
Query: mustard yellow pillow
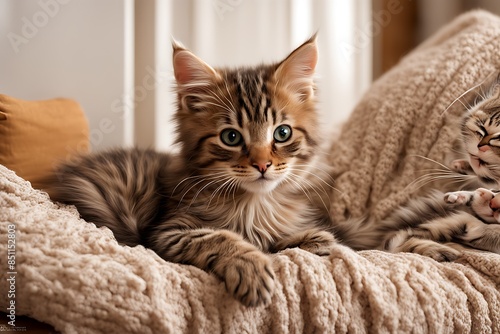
(36, 135)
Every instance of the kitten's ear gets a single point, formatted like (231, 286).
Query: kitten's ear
(190, 70)
(296, 72)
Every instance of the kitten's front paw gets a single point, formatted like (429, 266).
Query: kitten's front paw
(484, 194)
(319, 243)
(251, 278)
(458, 197)
(442, 253)
(461, 166)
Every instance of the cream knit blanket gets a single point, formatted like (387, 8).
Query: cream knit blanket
(75, 276)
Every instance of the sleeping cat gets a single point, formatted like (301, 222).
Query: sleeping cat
(245, 182)
(440, 224)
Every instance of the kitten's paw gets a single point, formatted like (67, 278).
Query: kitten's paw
(484, 194)
(319, 243)
(461, 166)
(441, 253)
(251, 278)
(458, 197)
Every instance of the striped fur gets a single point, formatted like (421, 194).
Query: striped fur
(247, 180)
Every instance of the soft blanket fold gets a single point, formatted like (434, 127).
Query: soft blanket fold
(75, 276)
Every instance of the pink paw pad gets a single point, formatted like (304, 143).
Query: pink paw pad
(456, 197)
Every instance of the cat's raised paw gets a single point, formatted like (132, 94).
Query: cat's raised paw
(461, 166)
(458, 197)
(251, 278)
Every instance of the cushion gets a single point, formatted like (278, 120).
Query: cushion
(35, 135)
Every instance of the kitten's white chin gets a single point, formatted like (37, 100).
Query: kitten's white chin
(260, 186)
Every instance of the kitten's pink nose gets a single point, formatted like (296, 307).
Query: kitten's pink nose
(483, 148)
(495, 203)
(262, 166)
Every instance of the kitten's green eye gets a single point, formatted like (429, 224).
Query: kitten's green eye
(282, 133)
(231, 137)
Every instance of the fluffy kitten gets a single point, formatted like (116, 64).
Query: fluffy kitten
(440, 224)
(245, 182)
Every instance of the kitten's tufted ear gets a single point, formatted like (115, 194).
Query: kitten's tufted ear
(190, 70)
(296, 72)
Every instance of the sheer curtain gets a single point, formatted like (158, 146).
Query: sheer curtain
(244, 32)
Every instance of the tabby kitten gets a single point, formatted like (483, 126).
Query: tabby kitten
(244, 183)
(439, 225)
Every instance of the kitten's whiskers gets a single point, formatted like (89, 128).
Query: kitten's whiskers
(200, 179)
(465, 93)
(213, 180)
(229, 180)
(322, 180)
(436, 174)
(302, 179)
(194, 177)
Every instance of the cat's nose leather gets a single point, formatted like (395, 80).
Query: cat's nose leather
(483, 148)
(495, 203)
(262, 166)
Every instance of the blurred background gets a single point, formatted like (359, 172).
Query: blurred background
(114, 56)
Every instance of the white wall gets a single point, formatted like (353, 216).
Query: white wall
(82, 49)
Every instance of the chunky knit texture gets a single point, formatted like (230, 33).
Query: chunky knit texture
(76, 277)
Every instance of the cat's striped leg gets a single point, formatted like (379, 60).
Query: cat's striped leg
(246, 271)
(316, 241)
(482, 236)
(405, 241)
(430, 237)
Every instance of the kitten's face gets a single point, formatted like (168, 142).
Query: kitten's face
(481, 134)
(252, 128)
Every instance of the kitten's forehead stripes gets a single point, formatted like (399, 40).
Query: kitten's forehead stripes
(253, 96)
(495, 118)
(490, 118)
(242, 101)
